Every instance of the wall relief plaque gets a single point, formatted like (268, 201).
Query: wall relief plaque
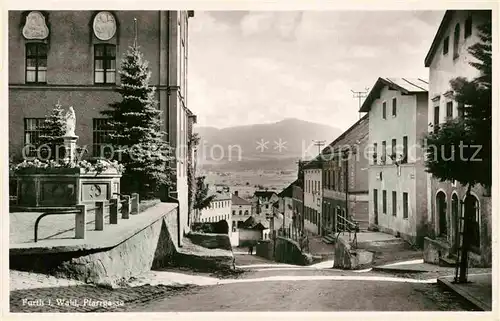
(35, 26)
(104, 25)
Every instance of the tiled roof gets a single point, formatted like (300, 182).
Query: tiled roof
(221, 196)
(353, 135)
(287, 192)
(264, 194)
(236, 200)
(255, 223)
(404, 85)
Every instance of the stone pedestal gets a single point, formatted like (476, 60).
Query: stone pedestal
(69, 148)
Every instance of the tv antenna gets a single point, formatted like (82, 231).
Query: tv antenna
(360, 95)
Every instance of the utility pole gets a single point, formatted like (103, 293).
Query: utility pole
(360, 95)
(319, 143)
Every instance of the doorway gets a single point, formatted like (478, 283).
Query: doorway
(441, 211)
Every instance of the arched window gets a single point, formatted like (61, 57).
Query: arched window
(456, 40)
(240, 212)
(104, 28)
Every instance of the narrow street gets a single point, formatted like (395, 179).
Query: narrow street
(268, 286)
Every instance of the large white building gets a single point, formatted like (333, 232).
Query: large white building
(313, 196)
(447, 59)
(397, 182)
(219, 209)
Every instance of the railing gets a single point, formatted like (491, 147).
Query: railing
(296, 235)
(128, 205)
(352, 227)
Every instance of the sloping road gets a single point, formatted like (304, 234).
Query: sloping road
(268, 286)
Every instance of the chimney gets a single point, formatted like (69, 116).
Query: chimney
(236, 193)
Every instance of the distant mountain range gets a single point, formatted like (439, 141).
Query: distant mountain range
(261, 146)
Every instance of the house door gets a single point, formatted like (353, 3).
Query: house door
(441, 210)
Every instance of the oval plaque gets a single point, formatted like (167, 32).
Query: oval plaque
(35, 26)
(104, 25)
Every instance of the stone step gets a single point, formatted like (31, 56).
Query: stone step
(328, 239)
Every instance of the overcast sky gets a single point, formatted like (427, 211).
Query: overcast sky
(256, 67)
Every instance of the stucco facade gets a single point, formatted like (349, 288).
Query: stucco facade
(397, 189)
(313, 199)
(241, 210)
(445, 199)
(345, 177)
(71, 77)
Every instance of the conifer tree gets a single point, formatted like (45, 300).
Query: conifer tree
(135, 131)
(54, 128)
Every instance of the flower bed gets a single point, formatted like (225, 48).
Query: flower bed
(40, 184)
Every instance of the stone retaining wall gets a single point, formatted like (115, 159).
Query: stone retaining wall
(211, 241)
(153, 247)
(349, 259)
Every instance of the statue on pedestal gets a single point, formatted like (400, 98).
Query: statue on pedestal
(70, 122)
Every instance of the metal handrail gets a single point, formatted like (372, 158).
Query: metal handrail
(55, 212)
(104, 204)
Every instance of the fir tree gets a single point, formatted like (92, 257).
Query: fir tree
(136, 136)
(461, 149)
(54, 128)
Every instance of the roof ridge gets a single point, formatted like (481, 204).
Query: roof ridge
(413, 83)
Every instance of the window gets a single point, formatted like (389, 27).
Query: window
(384, 152)
(100, 138)
(267, 205)
(334, 178)
(394, 203)
(445, 45)
(468, 27)
(246, 212)
(384, 202)
(394, 106)
(104, 64)
(36, 63)
(405, 205)
(436, 118)
(405, 150)
(33, 128)
(393, 149)
(375, 147)
(384, 110)
(240, 212)
(375, 202)
(449, 110)
(456, 40)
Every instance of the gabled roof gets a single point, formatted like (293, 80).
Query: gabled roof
(355, 133)
(404, 85)
(437, 38)
(253, 223)
(287, 192)
(221, 196)
(236, 200)
(264, 194)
